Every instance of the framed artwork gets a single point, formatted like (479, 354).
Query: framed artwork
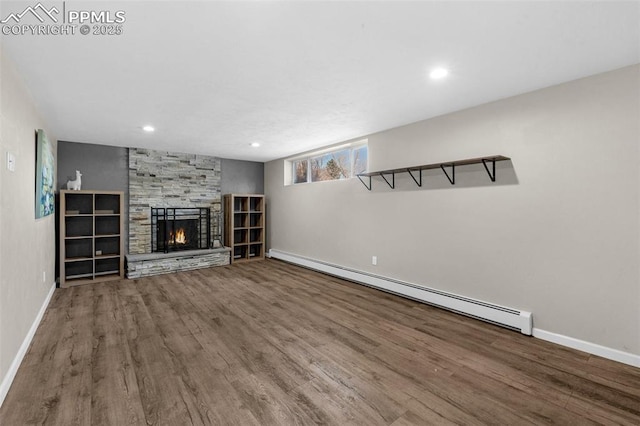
(45, 176)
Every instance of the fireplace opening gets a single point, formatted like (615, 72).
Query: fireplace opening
(175, 229)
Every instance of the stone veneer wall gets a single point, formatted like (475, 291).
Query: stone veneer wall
(167, 179)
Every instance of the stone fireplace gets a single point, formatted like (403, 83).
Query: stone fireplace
(173, 198)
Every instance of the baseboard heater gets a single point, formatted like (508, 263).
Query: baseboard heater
(506, 317)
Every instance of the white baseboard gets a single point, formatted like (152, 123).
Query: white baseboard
(591, 348)
(500, 315)
(13, 368)
(408, 290)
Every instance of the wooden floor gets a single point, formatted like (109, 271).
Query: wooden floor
(272, 344)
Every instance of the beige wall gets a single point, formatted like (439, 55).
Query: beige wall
(557, 234)
(27, 246)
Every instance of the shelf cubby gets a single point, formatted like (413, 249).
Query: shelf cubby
(240, 220)
(79, 204)
(239, 253)
(78, 226)
(78, 269)
(78, 248)
(107, 266)
(107, 246)
(255, 220)
(255, 235)
(107, 204)
(240, 236)
(255, 204)
(255, 250)
(107, 225)
(240, 204)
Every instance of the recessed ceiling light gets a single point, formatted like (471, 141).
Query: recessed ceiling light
(438, 73)
(255, 144)
(148, 128)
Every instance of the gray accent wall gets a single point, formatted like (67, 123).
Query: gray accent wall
(103, 168)
(558, 233)
(241, 177)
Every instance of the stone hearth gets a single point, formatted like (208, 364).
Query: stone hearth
(146, 265)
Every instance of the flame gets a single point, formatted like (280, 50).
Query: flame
(179, 238)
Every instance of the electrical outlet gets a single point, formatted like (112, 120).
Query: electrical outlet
(44, 277)
(374, 260)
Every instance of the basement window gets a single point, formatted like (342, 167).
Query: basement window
(338, 163)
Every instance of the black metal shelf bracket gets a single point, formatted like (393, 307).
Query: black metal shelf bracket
(391, 184)
(492, 176)
(451, 178)
(363, 182)
(418, 182)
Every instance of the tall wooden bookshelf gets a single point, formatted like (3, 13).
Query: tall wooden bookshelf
(91, 237)
(244, 226)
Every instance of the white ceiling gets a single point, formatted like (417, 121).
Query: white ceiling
(213, 77)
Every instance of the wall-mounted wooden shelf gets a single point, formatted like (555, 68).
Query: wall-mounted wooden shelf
(416, 171)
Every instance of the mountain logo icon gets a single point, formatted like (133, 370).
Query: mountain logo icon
(39, 11)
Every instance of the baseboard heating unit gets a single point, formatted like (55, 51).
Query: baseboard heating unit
(506, 317)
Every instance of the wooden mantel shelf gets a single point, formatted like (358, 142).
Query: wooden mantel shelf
(416, 171)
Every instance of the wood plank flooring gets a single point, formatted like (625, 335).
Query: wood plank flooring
(269, 343)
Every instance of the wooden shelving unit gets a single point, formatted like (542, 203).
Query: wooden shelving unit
(416, 171)
(244, 226)
(91, 237)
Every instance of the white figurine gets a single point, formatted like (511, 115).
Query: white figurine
(75, 184)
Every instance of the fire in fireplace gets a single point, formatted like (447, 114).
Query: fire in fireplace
(181, 234)
(174, 229)
(180, 237)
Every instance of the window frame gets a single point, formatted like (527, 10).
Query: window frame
(291, 164)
